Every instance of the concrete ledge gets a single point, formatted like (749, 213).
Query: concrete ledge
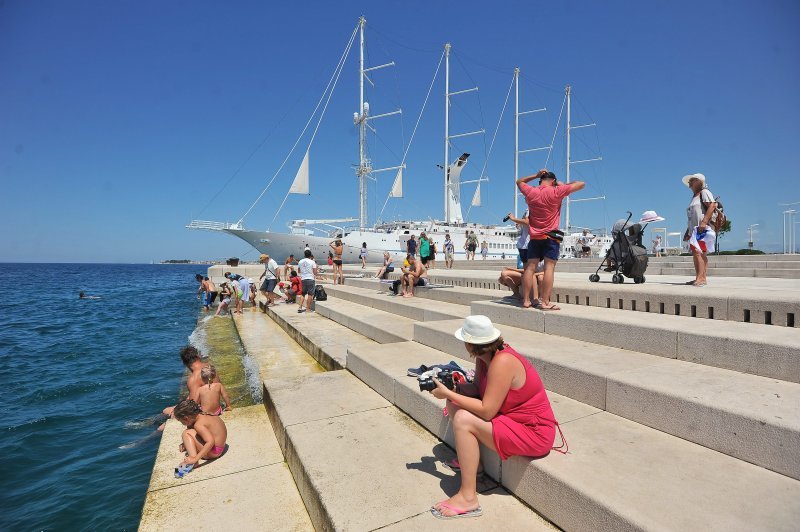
(620, 475)
(774, 308)
(746, 347)
(412, 308)
(262, 498)
(335, 394)
(588, 324)
(377, 325)
(325, 340)
(669, 296)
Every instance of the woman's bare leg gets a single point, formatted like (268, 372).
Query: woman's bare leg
(470, 431)
(528, 279)
(696, 261)
(703, 270)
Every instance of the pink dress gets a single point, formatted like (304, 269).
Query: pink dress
(525, 424)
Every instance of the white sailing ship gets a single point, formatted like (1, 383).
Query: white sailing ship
(317, 234)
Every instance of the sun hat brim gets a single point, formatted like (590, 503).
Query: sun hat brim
(689, 177)
(648, 220)
(477, 340)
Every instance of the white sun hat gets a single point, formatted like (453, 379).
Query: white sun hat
(650, 216)
(477, 330)
(689, 177)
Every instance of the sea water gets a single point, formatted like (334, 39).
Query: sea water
(84, 381)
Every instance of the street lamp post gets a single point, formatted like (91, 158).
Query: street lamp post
(750, 240)
(789, 231)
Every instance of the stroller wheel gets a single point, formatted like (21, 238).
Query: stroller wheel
(594, 278)
(642, 279)
(615, 279)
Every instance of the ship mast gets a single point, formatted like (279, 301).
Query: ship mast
(446, 164)
(362, 118)
(569, 128)
(364, 165)
(516, 140)
(568, 91)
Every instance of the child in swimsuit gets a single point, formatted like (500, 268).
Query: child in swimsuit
(211, 392)
(204, 437)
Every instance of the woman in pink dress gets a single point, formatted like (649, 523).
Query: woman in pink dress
(506, 409)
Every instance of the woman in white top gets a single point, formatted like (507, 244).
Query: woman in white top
(699, 214)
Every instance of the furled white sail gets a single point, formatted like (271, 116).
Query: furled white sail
(300, 183)
(476, 199)
(397, 186)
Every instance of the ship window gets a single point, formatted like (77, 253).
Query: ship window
(405, 232)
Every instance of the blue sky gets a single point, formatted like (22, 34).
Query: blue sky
(120, 121)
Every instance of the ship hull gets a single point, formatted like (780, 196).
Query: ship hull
(280, 245)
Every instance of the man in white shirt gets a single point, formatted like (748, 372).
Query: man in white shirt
(271, 277)
(307, 270)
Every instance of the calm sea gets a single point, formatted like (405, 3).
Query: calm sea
(83, 379)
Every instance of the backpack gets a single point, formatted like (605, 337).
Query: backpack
(320, 294)
(718, 217)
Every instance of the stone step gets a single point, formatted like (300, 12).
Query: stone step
(618, 475)
(749, 417)
(325, 340)
(361, 464)
(413, 308)
(746, 347)
(382, 327)
(775, 303)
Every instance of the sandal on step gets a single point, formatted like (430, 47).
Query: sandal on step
(452, 465)
(459, 513)
(551, 307)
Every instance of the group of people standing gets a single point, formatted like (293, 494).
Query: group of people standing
(301, 281)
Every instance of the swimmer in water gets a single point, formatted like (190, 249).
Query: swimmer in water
(81, 295)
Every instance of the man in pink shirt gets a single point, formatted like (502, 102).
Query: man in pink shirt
(544, 208)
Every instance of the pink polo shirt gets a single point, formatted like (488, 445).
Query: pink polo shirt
(544, 207)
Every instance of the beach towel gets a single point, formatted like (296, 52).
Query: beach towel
(703, 241)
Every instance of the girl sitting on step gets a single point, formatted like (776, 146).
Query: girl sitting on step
(506, 409)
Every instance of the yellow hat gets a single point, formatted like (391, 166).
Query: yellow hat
(263, 257)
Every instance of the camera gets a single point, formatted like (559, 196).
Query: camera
(446, 377)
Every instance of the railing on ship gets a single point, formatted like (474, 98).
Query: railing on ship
(213, 226)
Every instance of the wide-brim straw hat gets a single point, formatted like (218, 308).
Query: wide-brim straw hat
(477, 330)
(263, 257)
(650, 216)
(689, 177)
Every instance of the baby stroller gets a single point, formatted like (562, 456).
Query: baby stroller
(626, 257)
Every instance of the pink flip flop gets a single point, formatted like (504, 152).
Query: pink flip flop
(459, 513)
